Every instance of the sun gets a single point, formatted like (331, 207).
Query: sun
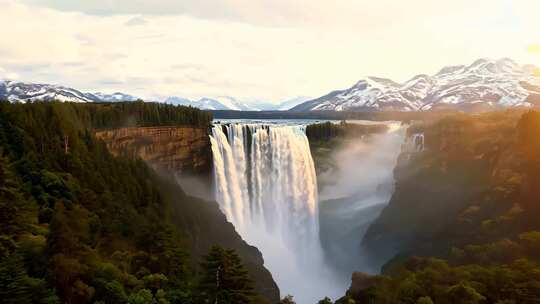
(534, 48)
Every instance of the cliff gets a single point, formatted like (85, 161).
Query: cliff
(205, 225)
(445, 193)
(465, 213)
(179, 149)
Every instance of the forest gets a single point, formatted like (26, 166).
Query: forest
(78, 225)
(466, 216)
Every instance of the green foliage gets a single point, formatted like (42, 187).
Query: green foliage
(482, 247)
(424, 300)
(326, 300)
(287, 300)
(143, 296)
(79, 225)
(461, 293)
(14, 287)
(225, 279)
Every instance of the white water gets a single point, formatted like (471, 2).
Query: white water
(267, 187)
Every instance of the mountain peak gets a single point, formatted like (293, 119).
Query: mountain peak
(450, 69)
(17, 91)
(486, 83)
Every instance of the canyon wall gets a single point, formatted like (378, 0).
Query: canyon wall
(176, 149)
(441, 189)
(187, 151)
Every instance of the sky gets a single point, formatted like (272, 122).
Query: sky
(267, 50)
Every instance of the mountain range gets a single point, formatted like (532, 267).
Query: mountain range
(22, 92)
(30, 92)
(218, 103)
(231, 103)
(485, 84)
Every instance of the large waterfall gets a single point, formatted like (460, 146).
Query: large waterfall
(267, 187)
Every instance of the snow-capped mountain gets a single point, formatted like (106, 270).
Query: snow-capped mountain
(285, 105)
(217, 103)
(485, 84)
(114, 97)
(290, 103)
(31, 92)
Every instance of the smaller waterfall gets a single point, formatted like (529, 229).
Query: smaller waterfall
(414, 143)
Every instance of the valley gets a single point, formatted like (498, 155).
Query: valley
(269, 152)
(348, 197)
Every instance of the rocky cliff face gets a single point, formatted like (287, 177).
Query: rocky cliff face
(176, 149)
(466, 163)
(187, 150)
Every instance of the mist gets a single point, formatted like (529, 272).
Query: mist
(266, 185)
(196, 185)
(353, 195)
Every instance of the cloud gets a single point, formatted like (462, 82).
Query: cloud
(7, 75)
(281, 13)
(264, 49)
(136, 21)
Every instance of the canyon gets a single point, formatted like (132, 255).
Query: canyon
(176, 152)
(184, 150)
(422, 190)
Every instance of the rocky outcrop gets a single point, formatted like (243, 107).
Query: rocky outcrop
(464, 159)
(176, 149)
(187, 150)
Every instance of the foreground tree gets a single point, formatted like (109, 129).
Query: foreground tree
(287, 300)
(225, 280)
(326, 300)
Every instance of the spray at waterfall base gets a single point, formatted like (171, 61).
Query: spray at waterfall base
(267, 187)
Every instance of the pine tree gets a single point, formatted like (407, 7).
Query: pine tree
(225, 280)
(9, 198)
(326, 300)
(13, 281)
(287, 300)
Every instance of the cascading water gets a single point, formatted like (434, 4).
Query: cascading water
(267, 187)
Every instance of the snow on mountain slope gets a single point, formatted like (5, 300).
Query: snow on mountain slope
(115, 97)
(485, 84)
(290, 103)
(31, 92)
(217, 103)
(234, 104)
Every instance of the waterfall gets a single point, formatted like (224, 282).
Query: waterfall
(267, 187)
(265, 176)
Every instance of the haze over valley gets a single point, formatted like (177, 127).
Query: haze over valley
(269, 152)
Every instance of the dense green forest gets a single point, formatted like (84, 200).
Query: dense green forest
(464, 223)
(126, 114)
(78, 225)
